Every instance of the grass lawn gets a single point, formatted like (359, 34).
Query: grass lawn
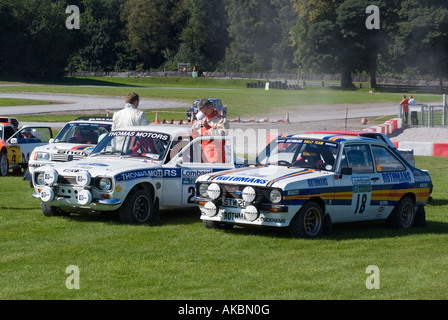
(7, 102)
(180, 259)
(233, 93)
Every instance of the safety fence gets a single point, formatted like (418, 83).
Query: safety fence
(425, 115)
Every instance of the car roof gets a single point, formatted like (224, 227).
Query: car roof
(100, 120)
(350, 132)
(328, 137)
(162, 128)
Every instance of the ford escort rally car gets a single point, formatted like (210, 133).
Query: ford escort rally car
(136, 171)
(75, 141)
(307, 182)
(18, 147)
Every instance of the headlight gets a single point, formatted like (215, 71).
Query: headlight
(105, 184)
(249, 194)
(214, 191)
(41, 156)
(40, 180)
(275, 196)
(210, 209)
(50, 176)
(83, 178)
(202, 189)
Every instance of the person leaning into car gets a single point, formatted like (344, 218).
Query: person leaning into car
(213, 124)
(130, 115)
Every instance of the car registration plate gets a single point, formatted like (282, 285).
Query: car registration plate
(233, 203)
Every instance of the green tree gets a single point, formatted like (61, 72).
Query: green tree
(204, 38)
(153, 28)
(103, 46)
(252, 32)
(34, 37)
(422, 38)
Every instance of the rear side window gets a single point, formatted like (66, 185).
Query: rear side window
(385, 160)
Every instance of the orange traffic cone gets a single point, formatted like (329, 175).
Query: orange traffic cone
(287, 117)
(157, 118)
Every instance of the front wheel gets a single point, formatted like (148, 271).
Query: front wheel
(308, 222)
(4, 165)
(137, 208)
(402, 217)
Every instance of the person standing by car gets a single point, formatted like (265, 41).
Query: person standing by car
(213, 124)
(414, 117)
(129, 115)
(405, 105)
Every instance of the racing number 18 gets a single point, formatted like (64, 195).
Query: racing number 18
(363, 203)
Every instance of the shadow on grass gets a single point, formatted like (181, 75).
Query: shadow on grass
(68, 81)
(167, 217)
(346, 231)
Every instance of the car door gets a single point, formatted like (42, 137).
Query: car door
(23, 142)
(201, 156)
(353, 192)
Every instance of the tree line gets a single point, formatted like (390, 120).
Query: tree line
(409, 37)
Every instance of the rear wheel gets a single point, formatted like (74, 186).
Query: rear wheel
(137, 208)
(402, 217)
(4, 165)
(308, 222)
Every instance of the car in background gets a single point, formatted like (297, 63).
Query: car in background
(308, 182)
(75, 141)
(217, 104)
(19, 146)
(134, 171)
(10, 121)
(7, 130)
(407, 154)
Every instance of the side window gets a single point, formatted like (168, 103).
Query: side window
(208, 151)
(385, 161)
(9, 132)
(359, 158)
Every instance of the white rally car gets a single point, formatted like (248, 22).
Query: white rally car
(306, 182)
(75, 141)
(135, 171)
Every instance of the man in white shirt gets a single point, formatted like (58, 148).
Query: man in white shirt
(129, 115)
(414, 116)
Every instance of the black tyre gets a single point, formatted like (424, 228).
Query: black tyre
(4, 165)
(50, 211)
(137, 208)
(403, 215)
(308, 222)
(420, 217)
(217, 225)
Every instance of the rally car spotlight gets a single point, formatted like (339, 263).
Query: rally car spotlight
(84, 197)
(214, 191)
(210, 209)
(105, 184)
(83, 178)
(251, 213)
(275, 196)
(249, 194)
(50, 177)
(40, 178)
(203, 190)
(47, 194)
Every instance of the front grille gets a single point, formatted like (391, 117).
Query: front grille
(235, 191)
(64, 156)
(67, 180)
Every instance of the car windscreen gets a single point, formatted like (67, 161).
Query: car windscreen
(83, 133)
(303, 153)
(145, 144)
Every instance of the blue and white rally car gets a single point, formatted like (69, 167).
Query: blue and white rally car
(136, 171)
(307, 182)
